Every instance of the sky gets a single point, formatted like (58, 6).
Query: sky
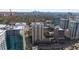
(40, 5)
(40, 10)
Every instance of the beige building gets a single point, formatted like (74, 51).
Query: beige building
(37, 31)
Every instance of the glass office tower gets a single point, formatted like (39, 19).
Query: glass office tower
(14, 38)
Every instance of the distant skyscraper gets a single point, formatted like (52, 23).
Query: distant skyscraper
(37, 31)
(74, 29)
(56, 20)
(3, 40)
(64, 23)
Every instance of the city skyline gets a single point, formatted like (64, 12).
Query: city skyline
(40, 10)
(39, 30)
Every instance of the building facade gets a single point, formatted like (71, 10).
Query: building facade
(3, 45)
(74, 29)
(58, 33)
(64, 23)
(37, 31)
(15, 38)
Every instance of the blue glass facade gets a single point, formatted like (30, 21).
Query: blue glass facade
(14, 40)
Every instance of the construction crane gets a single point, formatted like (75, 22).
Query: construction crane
(11, 18)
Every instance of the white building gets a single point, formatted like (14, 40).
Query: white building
(3, 40)
(21, 23)
(37, 31)
(74, 29)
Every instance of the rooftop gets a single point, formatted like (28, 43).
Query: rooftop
(15, 27)
(63, 19)
(37, 23)
(74, 21)
(21, 23)
(2, 25)
(58, 27)
(2, 31)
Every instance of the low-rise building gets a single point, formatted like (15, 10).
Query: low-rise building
(58, 33)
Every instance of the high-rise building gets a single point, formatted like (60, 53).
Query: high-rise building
(3, 40)
(37, 31)
(56, 21)
(64, 23)
(74, 29)
(15, 38)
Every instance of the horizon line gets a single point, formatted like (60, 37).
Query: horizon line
(39, 10)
